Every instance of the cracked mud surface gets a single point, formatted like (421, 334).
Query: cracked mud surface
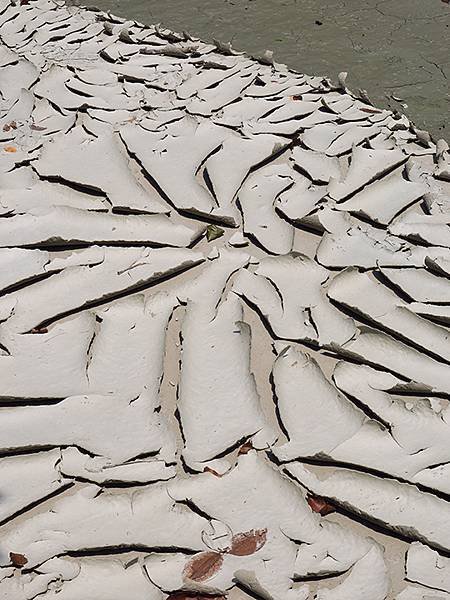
(397, 51)
(224, 325)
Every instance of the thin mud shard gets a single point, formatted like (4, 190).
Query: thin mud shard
(224, 311)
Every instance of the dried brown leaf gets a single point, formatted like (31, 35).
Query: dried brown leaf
(249, 542)
(10, 149)
(37, 127)
(203, 566)
(372, 111)
(18, 560)
(39, 330)
(245, 448)
(319, 505)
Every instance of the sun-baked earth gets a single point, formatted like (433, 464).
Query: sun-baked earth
(224, 310)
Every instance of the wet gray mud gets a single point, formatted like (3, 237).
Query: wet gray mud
(396, 50)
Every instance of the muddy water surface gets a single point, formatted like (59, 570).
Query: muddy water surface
(399, 51)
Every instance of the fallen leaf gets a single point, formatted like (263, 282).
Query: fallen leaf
(319, 505)
(203, 566)
(37, 127)
(125, 36)
(8, 126)
(10, 149)
(213, 232)
(372, 111)
(244, 544)
(39, 330)
(245, 448)
(18, 560)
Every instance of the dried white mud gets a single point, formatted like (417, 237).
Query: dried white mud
(224, 310)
